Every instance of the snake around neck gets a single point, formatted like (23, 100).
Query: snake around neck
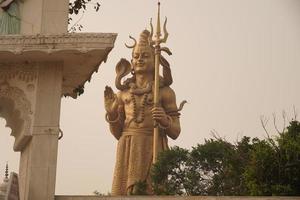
(140, 91)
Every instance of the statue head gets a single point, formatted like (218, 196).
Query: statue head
(143, 61)
(143, 55)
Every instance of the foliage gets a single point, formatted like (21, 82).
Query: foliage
(79, 90)
(77, 5)
(97, 193)
(212, 168)
(80, 6)
(140, 188)
(217, 167)
(274, 166)
(170, 171)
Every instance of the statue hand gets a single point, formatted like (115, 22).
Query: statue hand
(110, 101)
(159, 114)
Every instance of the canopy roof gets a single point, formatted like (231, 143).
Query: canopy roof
(81, 54)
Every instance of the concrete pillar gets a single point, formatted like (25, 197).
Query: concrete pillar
(36, 70)
(38, 159)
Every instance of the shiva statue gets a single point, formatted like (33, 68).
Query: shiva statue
(133, 114)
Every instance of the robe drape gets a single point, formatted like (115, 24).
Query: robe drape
(134, 159)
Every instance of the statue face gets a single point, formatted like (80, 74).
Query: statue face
(143, 59)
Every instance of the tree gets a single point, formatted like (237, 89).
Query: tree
(248, 167)
(170, 171)
(212, 168)
(259, 172)
(274, 166)
(80, 6)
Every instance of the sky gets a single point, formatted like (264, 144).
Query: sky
(233, 61)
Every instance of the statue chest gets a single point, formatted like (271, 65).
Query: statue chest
(132, 101)
(138, 107)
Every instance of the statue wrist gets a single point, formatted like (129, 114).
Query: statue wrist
(112, 118)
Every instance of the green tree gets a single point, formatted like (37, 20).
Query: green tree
(289, 146)
(212, 168)
(275, 164)
(259, 173)
(217, 167)
(169, 172)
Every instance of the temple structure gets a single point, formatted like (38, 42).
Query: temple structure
(38, 67)
(4, 185)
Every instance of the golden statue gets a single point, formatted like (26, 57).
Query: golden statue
(143, 113)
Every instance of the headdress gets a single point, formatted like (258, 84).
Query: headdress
(143, 40)
(146, 40)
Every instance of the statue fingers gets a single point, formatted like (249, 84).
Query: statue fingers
(108, 91)
(158, 115)
(159, 119)
(115, 97)
(158, 111)
(157, 108)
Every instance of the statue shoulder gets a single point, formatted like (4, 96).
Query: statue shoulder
(168, 94)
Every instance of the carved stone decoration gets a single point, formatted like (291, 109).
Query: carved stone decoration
(46, 130)
(22, 73)
(30, 87)
(84, 42)
(16, 109)
(80, 54)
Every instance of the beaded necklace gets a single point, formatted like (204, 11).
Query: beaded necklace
(139, 117)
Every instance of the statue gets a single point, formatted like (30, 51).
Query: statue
(133, 114)
(10, 21)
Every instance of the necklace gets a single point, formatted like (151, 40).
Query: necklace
(139, 117)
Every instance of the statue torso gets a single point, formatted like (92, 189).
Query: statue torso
(137, 110)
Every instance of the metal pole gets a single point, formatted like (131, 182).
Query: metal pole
(156, 84)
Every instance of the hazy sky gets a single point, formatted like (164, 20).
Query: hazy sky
(233, 61)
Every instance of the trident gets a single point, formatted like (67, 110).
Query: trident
(156, 42)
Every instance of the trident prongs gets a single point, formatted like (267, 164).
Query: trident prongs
(157, 40)
(161, 40)
(132, 46)
(151, 42)
(166, 34)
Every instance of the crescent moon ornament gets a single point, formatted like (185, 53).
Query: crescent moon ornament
(132, 46)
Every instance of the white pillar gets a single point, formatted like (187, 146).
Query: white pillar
(39, 158)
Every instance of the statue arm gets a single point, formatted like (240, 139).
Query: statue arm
(169, 104)
(116, 119)
(116, 129)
